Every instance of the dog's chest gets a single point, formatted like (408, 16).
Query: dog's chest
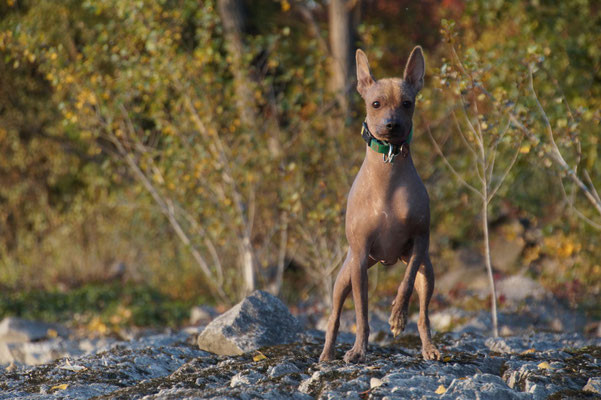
(390, 213)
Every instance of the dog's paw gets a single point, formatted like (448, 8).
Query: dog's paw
(355, 356)
(326, 355)
(430, 352)
(397, 320)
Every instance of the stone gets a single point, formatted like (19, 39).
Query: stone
(482, 387)
(259, 320)
(282, 369)
(202, 314)
(245, 378)
(18, 330)
(36, 353)
(506, 245)
(307, 385)
(593, 385)
(375, 382)
(517, 288)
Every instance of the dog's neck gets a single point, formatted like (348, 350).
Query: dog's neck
(375, 162)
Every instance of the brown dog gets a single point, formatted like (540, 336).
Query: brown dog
(388, 211)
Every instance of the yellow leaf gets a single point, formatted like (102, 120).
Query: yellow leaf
(62, 386)
(545, 365)
(441, 389)
(525, 149)
(529, 351)
(285, 5)
(259, 356)
(446, 359)
(52, 333)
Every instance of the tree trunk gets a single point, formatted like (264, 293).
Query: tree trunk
(232, 18)
(339, 14)
(487, 259)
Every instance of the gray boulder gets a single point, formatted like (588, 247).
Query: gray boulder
(259, 320)
(18, 330)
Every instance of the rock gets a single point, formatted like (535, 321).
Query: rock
(202, 315)
(482, 386)
(593, 385)
(38, 352)
(517, 288)
(506, 245)
(445, 320)
(308, 384)
(259, 320)
(15, 330)
(282, 369)
(245, 378)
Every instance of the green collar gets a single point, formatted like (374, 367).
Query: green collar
(389, 150)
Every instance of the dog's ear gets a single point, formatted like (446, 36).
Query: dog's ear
(415, 69)
(364, 76)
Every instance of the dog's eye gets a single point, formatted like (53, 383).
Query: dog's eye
(407, 104)
(375, 104)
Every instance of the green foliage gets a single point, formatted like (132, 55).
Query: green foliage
(113, 305)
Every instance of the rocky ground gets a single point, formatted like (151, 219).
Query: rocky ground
(529, 364)
(170, 366)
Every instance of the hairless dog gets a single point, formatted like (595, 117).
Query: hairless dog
(388, 210)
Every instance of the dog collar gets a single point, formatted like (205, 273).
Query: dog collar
(389, 150)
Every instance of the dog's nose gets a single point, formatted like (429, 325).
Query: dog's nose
(391, 126)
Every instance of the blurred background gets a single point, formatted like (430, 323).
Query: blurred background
(156, 155)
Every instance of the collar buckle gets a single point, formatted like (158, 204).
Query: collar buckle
(389, 158)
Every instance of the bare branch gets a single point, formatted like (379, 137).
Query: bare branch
(505, 173)
(593, 188)
(448, 164)
(167, 209)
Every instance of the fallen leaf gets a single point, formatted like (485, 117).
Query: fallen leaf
(441, 389)
(11, 367)
(62, 386)
(70, 367)
(545, 365)
(529, 351)
(52, 333)
(446, 358)
(375, 382)
(259, 356)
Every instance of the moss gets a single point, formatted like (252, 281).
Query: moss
(408, 341)
(572, 395)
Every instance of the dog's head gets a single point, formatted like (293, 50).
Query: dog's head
(390, 102)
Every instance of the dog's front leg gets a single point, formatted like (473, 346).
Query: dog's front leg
(358, 270)
(342, 287)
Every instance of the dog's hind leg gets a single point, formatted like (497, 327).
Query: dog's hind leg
(400, 305)
(424, 285)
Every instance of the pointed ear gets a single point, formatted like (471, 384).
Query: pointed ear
(364, 77)
(415, 69)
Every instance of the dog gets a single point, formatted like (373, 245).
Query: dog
(388, 210)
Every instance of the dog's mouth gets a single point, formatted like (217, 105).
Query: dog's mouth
(396, 137)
